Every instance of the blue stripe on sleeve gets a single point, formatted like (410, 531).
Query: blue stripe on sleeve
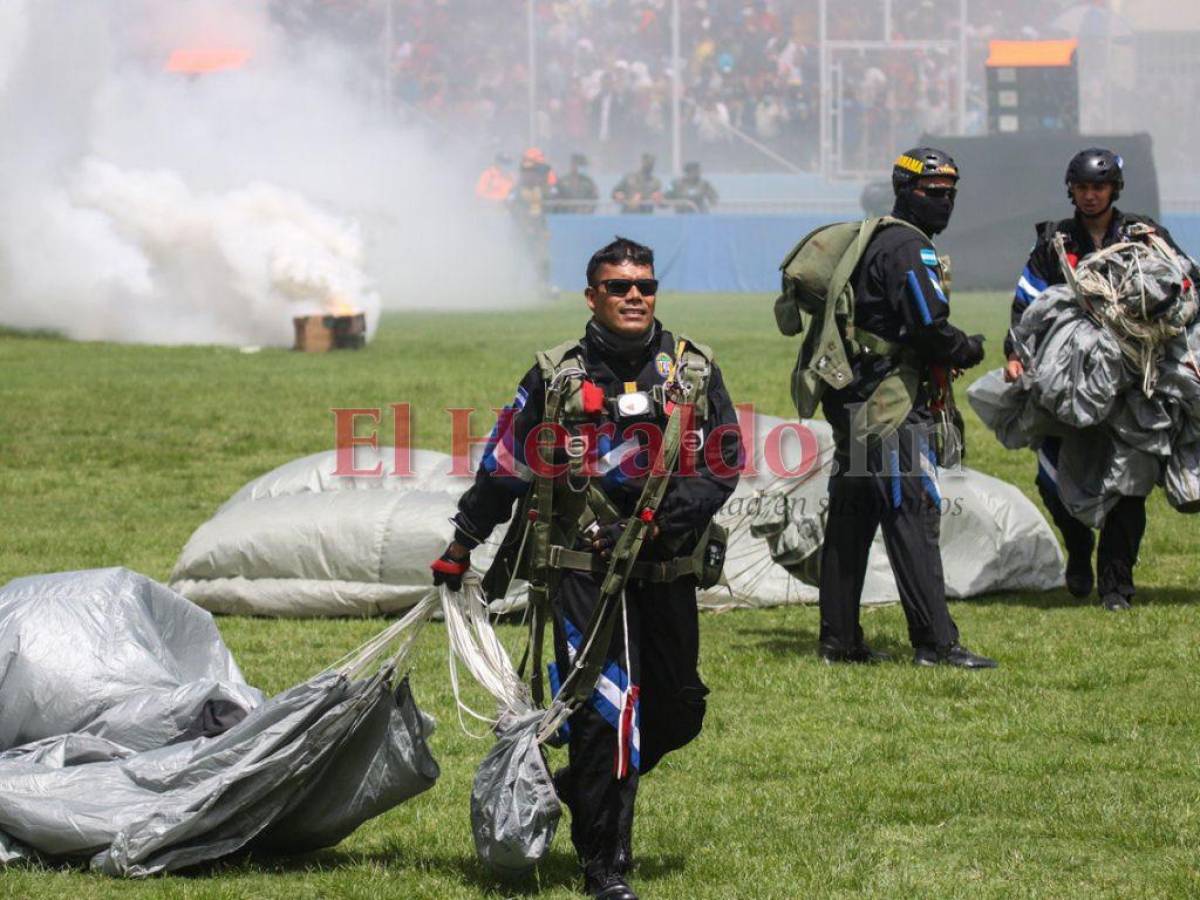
(1039, 283)
(937, 286)
(1028, 288)
(918, 295)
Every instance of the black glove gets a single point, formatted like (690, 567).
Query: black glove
(606, 538)
(973, 355)
(449, 569)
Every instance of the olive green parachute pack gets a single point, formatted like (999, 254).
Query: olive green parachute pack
(539, 543)
(818, 295)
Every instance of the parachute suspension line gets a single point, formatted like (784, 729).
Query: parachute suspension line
(357, 661)
(525, 613)
(1110, 285)
(475, 644)
(563, 374)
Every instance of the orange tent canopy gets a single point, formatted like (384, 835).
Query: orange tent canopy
(201, 60)
(1022, 54)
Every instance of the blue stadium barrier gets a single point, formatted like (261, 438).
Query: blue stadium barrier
(721, 253)
(1185, 229)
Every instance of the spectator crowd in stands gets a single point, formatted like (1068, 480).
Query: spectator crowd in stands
(750, 72)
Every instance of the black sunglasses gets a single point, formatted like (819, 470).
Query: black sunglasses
(619, 287)
(950, 192)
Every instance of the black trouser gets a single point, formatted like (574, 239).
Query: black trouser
(667, 701)
(900, 493)
(1120, 535)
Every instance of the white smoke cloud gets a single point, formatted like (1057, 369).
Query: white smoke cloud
(139, 204)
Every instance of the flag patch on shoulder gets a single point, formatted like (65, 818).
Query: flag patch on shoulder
(929, 257)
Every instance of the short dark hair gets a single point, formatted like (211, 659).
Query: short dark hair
(619, 251)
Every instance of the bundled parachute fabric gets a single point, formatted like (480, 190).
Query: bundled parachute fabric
(514, 808)
(1111, 370)
(295, 772)
(303, 541)
(1182, 479)
(111, 654)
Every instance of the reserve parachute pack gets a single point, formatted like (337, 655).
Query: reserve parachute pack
(818, 298)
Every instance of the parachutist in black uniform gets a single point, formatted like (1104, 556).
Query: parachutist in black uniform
(1094, 179)
(649, 699)
(900, 300)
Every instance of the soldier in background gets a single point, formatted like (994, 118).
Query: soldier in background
(640, 191)
(575, 189)
(693, 193)
(902, 328)
(528, 205)
(1095, 178)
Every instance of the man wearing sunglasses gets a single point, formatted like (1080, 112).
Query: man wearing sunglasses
(621, 381)
(885, 472)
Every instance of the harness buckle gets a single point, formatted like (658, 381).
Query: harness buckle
(576, 446)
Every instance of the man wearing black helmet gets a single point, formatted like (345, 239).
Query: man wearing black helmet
(1095, 178)
(883, 423)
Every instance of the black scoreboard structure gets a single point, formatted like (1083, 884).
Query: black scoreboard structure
(1010, 182)
(1013, 176)
(1032, 86)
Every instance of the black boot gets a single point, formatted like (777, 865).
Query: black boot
(1080, 579)
(1114, 602)
(1116, 586)
(609, 886)
(956, 655)
(861, 653)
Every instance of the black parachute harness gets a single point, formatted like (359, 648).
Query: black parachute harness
(538, 545)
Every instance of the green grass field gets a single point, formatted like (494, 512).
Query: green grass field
(1070, 771)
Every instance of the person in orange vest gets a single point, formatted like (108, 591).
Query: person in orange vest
(496, 182)
(533, 160)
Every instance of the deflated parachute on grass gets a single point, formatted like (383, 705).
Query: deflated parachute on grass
(134, 785)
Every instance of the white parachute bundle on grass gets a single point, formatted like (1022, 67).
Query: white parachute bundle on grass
(1111, 371)
(303, 541)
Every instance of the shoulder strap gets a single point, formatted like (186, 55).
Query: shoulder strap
(542, 581)
(892, 220)
(549, 361)
(703, 350)
(692, 369)
(830, 360)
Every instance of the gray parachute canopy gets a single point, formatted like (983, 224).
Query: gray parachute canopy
(130, 740)
(1111, 370)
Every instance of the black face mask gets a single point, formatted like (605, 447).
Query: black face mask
(930, 214)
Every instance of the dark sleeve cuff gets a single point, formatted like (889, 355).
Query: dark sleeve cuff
(462, 535)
